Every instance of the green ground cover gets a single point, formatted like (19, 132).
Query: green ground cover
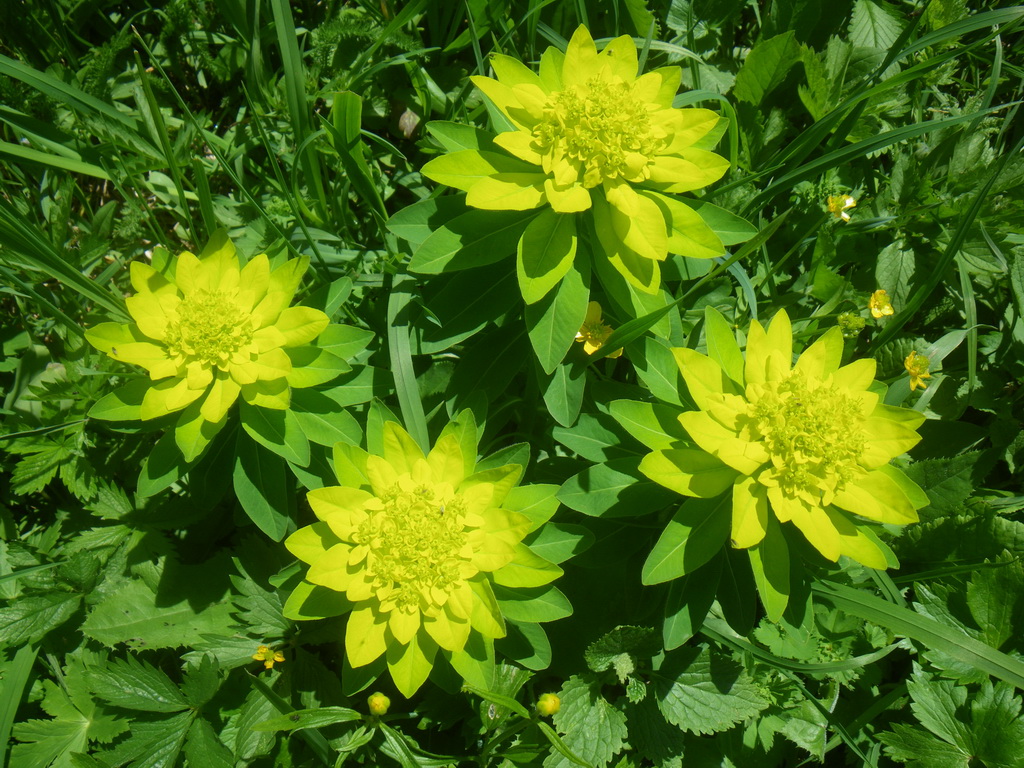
(539, 383)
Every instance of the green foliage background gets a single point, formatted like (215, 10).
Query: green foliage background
(132, 605)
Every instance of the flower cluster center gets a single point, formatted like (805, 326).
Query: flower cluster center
(210, 327)
(601, 126)
(418, 546)
(813, 432)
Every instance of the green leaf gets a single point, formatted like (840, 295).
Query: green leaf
(526, 644)
(688, 601)
(920, 749)
(948, 482)
(124, 404)
(591, 728)
(692, 537)
(133, 684)
(277, 431)
(932, 633)
(769, 562)
(313, 366)
(133, 614)
(595, 437)
(652, 737)
(653, 424)
(615, 489)
(264, 488)
(622, 649)
(164, 466)
(202, 747)
(418, 221)
(557, 542)
(153, 743)
(473, 239)
(703, 691)
(995, 597)
(722, 345)
(554, 320)
(730, 228)
(533, 606)
(456, 136)
(563, 394)
(545, 254)
(657, 369)
(309, 718)
(321, 421)
(29, 619)
(874, 25)
(766, 67)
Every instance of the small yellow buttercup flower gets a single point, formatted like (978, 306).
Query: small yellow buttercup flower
(378, 704)
(838, 205)
(880, 304)
(917, 367)
(548, 704)
(594, 333)
(268, 656)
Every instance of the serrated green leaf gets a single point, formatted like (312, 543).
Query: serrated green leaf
(29, 619)
(590, 727)
(133, 684)
(874, 25)
(621, 650)
(703, 691)
(202, 747)
(766, 67)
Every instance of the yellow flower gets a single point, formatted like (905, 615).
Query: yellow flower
(880, 304)
(806, 443)
(210, 330)
(548, 704)
(590, 135)
(917, 367)
(838, 205)
(594, 332)
(414, 551)
(268, 657)
(378, 704)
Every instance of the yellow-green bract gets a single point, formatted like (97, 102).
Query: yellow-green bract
(591, 136)
(209, 330)
(411, 549)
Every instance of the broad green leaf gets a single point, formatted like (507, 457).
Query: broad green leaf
(545, 254)
(657, 369)
(538, 501)
(535, 605)
(622, 649)
(263, 486)
(688, 601)
(563, 394)
(278, 431)
(653, 424)
(133, 615)
(995, 597)
(769, 562)
(595, 437)
(614, 489)
(730, 228)
(558, 542)
(418, 221)
(163, 467)
(703, 691)
(948, 482)
(321, 421)
(124, 404)
(456, 136)
(202, 747)
(874, 25)
(526, 644)
(554, 320)
(692, 537)
(651, 736)
(765, 67)
(472, 239)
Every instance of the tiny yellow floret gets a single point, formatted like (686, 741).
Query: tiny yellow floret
(851, 324)
(880, 304)
(594, 333)
(378, 704)
(917, 367)
(268, 656)
(838, 205)
(548, 704)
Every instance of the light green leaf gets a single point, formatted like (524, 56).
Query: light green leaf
(614, 489)
(535, 605)
(278, 431)
(591, 728)
(473, 239)
(545, 254)
(554, 320)
(134, 684)
(692, 537)
(766, 67)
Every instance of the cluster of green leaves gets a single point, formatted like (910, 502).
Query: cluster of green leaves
(131, 610)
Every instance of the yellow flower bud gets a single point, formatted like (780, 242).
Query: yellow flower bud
(378, 704)
(548, 704)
